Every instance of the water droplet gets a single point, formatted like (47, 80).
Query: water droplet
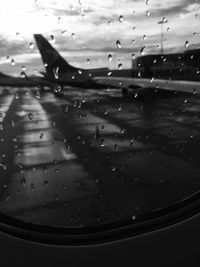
(113, 168)
(64, 32)
(131, 142)
(186, 44)
(133, 56)
(152, 79)
(142, 51)
(194, 91)
(102, 143)
(1, 164)
(73, 35)
(37, 95)
(118, 44)
(55, 71)
(12, 62)
(123, 130)
(57, 88)
(115, 147)
(144, 37)
(121, 18)
(22, 74)
(31, 45)
(147, 2)
(52, 39)
(30, 115)
(148, 13)
(164, 20)
(120, 66)
(41, 135)
(106, 112)
(110, 57)
(109, 22)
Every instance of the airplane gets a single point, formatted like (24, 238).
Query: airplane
(60, 72)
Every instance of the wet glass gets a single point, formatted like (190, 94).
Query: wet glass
(110, 130)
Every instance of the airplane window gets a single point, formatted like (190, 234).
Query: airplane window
(99, 112)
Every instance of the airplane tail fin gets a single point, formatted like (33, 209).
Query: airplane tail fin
(52, 60)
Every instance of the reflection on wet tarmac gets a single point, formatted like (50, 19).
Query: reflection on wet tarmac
(93, 157)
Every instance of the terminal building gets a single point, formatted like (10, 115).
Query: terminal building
(180, 66)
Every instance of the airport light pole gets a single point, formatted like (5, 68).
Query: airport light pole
(162, 22)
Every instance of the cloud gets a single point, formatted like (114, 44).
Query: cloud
(94, 36)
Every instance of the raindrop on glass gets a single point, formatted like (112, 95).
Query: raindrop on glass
(152, 79)
(118, 44)
(30, 115)
(102, 143)
(55, 71)
(31, 45)
(73, 35)
(120, 66)
(52, 39)
(110, 57)
(186, 44)
(148, 13)
(121, 18)
(64, 32)
(12, 62)
(142, 51)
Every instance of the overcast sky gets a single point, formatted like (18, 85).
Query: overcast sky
(89, 29)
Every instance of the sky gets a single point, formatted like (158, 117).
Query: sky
(86, 31)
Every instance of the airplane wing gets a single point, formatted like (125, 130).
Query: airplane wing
(11, 81)
(140, 83)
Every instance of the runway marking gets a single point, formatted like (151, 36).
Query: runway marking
(43, 158)
(5, 103)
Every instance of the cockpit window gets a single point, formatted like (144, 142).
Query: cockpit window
(99, 110)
